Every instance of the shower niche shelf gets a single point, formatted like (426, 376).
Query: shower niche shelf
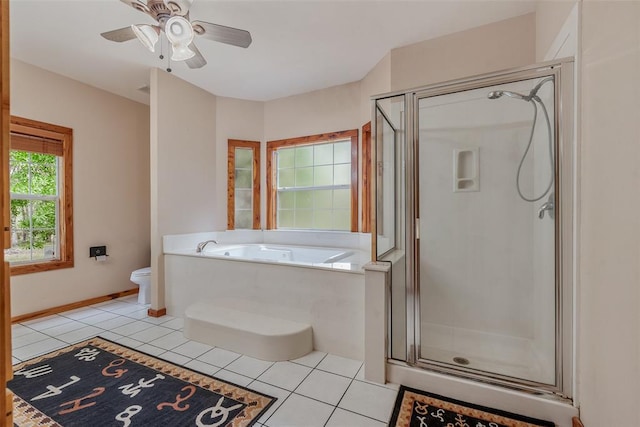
(466, 174)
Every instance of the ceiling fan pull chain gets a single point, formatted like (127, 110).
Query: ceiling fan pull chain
(161, 46)
(169, 64)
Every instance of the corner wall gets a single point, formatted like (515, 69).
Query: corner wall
(493, 47)
(236, 119)
(550, 17)
(609, 292)
(326, 110)
(110, 186)
(183, 166)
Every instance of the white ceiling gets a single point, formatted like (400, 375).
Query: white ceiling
(298, 46)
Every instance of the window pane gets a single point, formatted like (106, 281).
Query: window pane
(285, 219)
(304, 156)
(303, 218)
(304, 199)
(286, 157)
(20, 231)
(286, 200)
(20, 246)
(341, 220)
(33, 230)
(43, 214)
(286, 178)
(244, 158)
(43, 174)
(322, 220)
(19, 172)
(243, 199)
(304, 177)
(322, 199)
(244, 178)
(43, 177)
(33, 173)
(342, 152)
(244, 219)
(342, 175)
(323, 154)
(341, 199)
(323, 175)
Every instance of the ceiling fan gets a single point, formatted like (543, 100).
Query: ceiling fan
(173, 19)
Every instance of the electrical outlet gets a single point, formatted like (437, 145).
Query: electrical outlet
(95, 251)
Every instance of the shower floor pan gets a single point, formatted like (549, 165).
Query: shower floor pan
(500, 354)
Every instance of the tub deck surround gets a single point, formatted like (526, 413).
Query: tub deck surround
(331, 301)
(266, 338)
(325, 239)
(348, 260)
(327, 250)
(322, 285)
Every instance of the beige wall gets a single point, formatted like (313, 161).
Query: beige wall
(501, 45)
(110, 186)
(550, 17)
(609, 292)
(235, 119)
(183, 165)
(377, 81)
(327, 110)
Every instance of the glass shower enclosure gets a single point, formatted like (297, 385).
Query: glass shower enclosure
(474, 198)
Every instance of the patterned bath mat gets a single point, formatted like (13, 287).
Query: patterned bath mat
(101, 383)
(415, 408)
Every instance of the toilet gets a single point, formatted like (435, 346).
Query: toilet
(142, 278)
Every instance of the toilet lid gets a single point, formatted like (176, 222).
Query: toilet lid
(142, 272)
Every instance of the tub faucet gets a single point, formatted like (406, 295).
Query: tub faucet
(201, 245)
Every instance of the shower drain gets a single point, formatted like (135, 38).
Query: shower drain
(461, 360)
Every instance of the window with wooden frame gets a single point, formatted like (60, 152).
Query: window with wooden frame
(243, 184)
(312, 182)
(40, 186)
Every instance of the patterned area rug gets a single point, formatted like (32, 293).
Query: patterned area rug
(100, 383)
(415, 408)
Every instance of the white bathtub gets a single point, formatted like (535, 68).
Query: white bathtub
(338, 258)
(323, 287)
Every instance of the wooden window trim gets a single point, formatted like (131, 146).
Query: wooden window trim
(232, 144)
(55, 139)
(272, 146)
(366, 178)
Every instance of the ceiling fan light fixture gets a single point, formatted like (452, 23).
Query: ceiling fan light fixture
(181, 53)
(180, 34)
(179, 31)
(147, 34)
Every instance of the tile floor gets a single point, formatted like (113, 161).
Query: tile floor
(318, 389)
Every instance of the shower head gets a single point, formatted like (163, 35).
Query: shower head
(498, 93)
(532, 95)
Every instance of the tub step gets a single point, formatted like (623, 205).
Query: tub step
(255, 335)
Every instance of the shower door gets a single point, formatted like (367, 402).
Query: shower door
(487, 279)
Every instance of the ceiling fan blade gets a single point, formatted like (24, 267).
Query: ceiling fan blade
(222, 34)
(178, 7)
(120, 35)
(138, 5)
(197, 61)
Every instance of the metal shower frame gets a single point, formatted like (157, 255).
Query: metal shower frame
(564, 187)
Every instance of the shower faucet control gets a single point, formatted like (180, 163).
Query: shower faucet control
(547, 206)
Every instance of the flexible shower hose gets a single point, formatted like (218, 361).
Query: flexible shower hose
(526, 151)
